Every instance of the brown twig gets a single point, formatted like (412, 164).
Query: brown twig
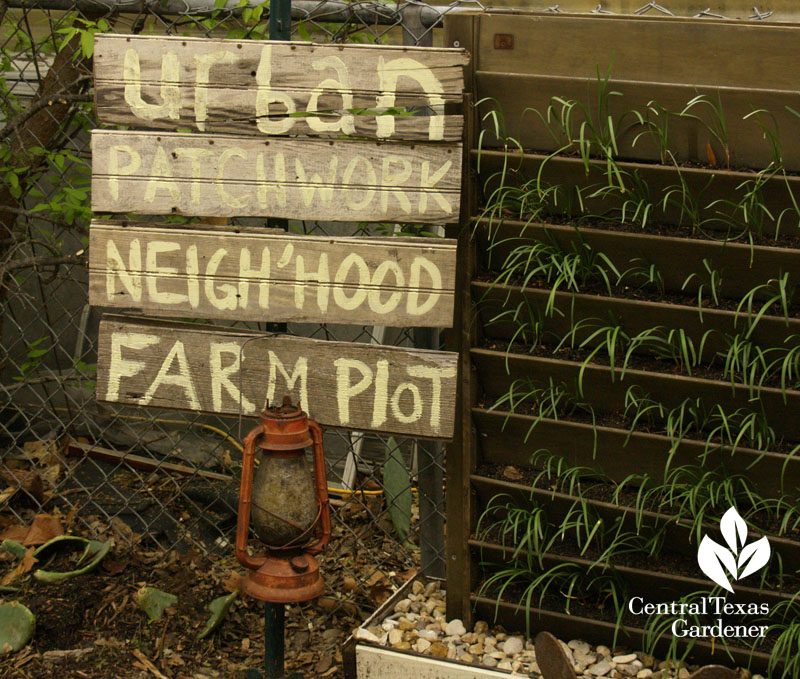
(42, 260)
(148, 665)
(119, 609)
(59, 97)
(160, 644)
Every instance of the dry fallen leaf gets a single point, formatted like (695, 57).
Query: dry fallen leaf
(7, 494)
(50, 474)
(407, 575)
(323, 664)
(15, 533)
(349, 584)
(44, 528)
(330, 604)
(512, 473)
(40, 450)
(29, 481)
(114, 567)
(380, 593)
(233, 582)
(25, 564)
(227, 461)
(712, 158)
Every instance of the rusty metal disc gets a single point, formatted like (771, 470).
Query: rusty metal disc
(715, 672)
(552, 659)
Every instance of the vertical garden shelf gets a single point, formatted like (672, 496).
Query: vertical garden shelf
(681, 222)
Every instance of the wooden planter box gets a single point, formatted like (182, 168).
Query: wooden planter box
(741, 266)
(605, 389)
(368, 660)
(655, 585)
(634, 315)
(712, 184)
(679, 534)
(598, 632)
(616, 456)
(523, 61)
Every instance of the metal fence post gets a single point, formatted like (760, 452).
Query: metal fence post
(429, 453)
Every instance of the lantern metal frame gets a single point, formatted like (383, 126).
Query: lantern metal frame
(285, 573)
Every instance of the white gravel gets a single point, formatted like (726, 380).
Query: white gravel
(419, 622)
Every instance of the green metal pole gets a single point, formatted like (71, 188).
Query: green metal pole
(280, 28)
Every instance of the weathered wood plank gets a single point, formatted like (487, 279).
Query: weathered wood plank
(780, 10)
(248, 276)
(236, 121)
(228, 370)
(314, 179)
(261, 86)
(518, 96)
(386, 663)
(637, 48)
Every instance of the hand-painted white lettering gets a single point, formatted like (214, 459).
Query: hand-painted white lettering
(159, 172)
(389, 72)
(341, 85)
(115, 171)
(229, 299)
(156, 272)
(246, 274)
(360, 285)
(266, 96)
(120, 367)
(321, 277)
(117, 267)
(345, 390)
(182, 379)
(436, 375)
(222, 376)
(170, 106)
(298, 378)
(203, 64)
(196, 156)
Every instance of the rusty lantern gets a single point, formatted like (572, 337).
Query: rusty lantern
(288, 508)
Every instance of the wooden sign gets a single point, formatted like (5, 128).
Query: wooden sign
(228, 371)
(276, 88)
(292, 114)
(312, 179)
(248, 275)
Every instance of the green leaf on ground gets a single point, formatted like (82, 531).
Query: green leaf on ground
(94, 549)
(219, 609)
(16, 626)
(153, 601)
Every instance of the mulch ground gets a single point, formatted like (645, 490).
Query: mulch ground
(91, 627)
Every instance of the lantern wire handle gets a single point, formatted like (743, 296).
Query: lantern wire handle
(268, 335)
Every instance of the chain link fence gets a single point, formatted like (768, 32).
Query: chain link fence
(166, 480)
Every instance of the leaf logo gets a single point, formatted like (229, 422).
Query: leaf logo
(740, 560)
